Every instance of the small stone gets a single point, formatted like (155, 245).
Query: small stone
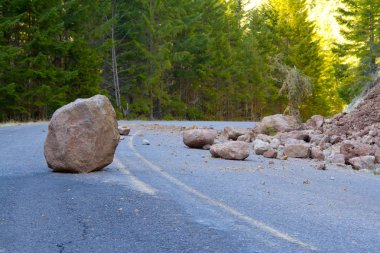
(206, 147)
(321, 166)
(332, 178)
(297, 150)
(123, 130)
(145, 142)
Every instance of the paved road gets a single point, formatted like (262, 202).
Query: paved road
(167, 198)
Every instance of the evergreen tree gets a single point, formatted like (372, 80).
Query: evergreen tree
(360, 20)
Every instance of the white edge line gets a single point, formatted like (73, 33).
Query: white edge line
(221, 205)
(137, 183)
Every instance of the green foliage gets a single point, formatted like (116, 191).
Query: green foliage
(180, 59)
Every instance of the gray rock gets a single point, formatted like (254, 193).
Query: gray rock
(260, 147)
(145, 142)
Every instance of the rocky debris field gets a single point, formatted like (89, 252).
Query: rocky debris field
(347, 139)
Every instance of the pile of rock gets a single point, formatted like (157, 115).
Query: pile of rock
(232, 148)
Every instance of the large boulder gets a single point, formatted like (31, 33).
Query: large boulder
(297, 150)
(230, 150)
(273, 124)
(83, 136)
(232, 133)
(199, 138)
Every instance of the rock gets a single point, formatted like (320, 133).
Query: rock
(363, 162)
(232, 133)
(273, 124)
(260, 147)
(352, 149)
(335, 139)
(230, 150)
(337, 158)
(145, 142)
(198, 138)
(294, 135)
(264, 137)
(245, 137)
(297, 150)
(270, 154)
(321, 166)
(275, 143)
(206, 147)
(317, 153)
(316, 121)
(83, 136)
(123, 130)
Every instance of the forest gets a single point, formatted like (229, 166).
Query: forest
(187, 59)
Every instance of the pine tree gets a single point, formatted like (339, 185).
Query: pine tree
(360, 21)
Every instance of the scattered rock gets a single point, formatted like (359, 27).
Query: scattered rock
(321, 166)
(82, 136)
(353, 149)
(315, 121)
(338, 159)
(232, 133)
(297, 150)
(245, 137)
(230, 150)
(317, 153)
(123, 130)
(363, 162)
(206, 147)
(198, 138)
(270, 154)
(273, 124)
(275, 143)
(260, 147)
(145, 142)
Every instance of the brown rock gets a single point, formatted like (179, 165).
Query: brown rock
(273, 124)
(363, 162)
(317, 153)
(270, 154)
(337, 158)
(82, 136)
(352, 149)
(123, 130)
(316, 121)
(230, 150)
(297, 150)
(232, 133)
(198, 138)
(245, 137)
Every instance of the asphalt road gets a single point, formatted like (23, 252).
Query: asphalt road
(165, 197)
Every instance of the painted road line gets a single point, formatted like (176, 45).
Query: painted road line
(137, 183)
(216, 203)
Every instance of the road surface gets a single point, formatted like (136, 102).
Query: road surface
(165, 197)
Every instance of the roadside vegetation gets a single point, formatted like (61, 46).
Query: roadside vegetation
(180, 59)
